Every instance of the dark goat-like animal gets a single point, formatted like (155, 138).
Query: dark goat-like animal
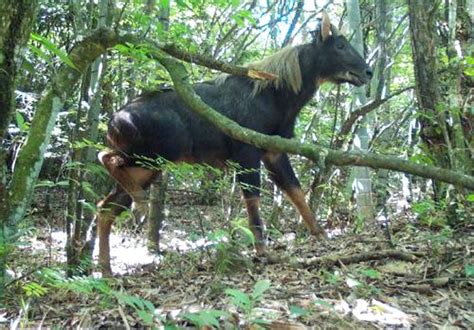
(159, 124)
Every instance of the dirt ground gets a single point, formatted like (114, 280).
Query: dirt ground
(418, 279)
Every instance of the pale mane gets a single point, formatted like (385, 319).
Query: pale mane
(285, 64)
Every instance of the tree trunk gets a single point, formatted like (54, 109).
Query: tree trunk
(422, 15)
(156, 214)
(16, 21)
(79, 217)
(362, 184)
(62, 85)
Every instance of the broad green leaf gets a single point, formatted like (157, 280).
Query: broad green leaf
(469, 72)
(297, 311)
(20, 121)
(259, 288)
(146, 316)
(470, 198)
(469, 270)
(38, 52)
(239, 298)
(53, 49)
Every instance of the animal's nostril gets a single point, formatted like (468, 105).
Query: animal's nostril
(369, 73)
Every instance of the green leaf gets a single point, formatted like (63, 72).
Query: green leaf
(45, 183)
(53, 49)
(470, 198)
(146, 316)
(370, 273)
(469, 72)
(259, 288)
(194, 318)
(297, 311)
(239, 298)
(469, 270)
(63, 183)
(34, 289)
(246, 231)
(323, 303)
(164, 4)
(28, 66)
(20, 122)
(205, 318)
(38, 52)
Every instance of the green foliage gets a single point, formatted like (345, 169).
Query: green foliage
(246, 303)
(437, 240)
(53, 281)
(331, 278)
(469, 270)
(20, 122)
(144, 309)
(469, 66)
(370, 273)
(205, 318)
(50, 46)
(428, 214)
(229, 258)
(34, 290)
(297, 311)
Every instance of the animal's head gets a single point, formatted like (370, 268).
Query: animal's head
(341, 62)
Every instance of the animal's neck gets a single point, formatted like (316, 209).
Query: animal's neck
(311, 79)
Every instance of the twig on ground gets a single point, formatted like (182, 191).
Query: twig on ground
(332, 260)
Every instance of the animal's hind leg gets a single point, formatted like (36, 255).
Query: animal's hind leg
(283, 175)
(110, 207)
(132, 179)
(249, 177)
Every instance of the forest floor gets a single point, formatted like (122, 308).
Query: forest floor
(423, 280)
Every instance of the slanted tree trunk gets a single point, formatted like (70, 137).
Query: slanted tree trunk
(16, 20)
(61, 87)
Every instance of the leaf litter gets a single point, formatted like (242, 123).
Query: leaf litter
(348, 281)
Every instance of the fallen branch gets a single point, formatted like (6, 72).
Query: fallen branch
(333, 260)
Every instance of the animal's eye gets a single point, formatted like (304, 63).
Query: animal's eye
(340, 45)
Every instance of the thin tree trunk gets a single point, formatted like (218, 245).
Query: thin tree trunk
(97, 71)
(362, 184)
(156, 214)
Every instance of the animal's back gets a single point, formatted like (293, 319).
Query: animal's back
(159, 123)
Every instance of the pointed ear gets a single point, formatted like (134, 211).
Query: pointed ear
(325, 27)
